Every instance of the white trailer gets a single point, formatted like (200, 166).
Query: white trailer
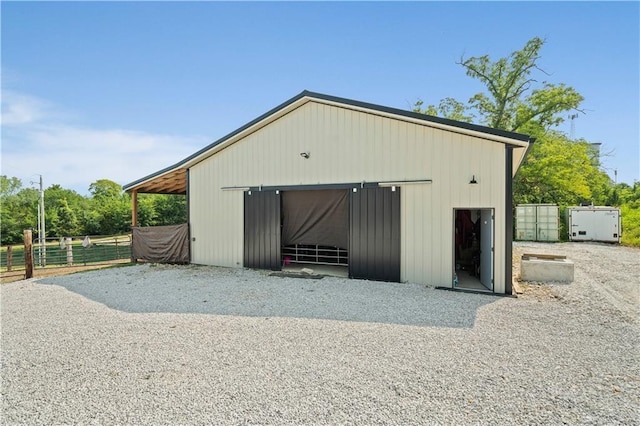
(594, 223)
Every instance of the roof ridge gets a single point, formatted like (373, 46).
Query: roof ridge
(343, 101)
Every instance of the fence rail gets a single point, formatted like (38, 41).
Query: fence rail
(319, 255)
(68, 252)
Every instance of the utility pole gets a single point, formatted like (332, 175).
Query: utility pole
(43, 234)
(39, 230)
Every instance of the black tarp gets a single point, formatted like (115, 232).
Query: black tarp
(160, 244)
(316, 217)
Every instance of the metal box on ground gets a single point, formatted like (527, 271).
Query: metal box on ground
(537, 222)
(594, 223)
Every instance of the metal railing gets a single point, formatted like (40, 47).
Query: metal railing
(320, 255)
(69, 252)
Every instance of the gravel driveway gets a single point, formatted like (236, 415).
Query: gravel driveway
(202, 345)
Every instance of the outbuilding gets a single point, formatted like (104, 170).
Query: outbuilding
(384, 193)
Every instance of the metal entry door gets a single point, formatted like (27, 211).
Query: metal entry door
(262, 230)
(374, 234)
(486, 248)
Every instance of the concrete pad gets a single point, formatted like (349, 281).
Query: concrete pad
(546, 269)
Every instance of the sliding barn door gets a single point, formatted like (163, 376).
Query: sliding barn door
(262, 230)
(374, 238)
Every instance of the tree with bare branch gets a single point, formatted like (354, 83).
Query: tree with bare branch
(514, 100)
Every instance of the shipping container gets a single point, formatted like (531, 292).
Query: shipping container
(594, 223)
(537, 222)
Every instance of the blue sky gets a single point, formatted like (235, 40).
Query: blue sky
(96, 90)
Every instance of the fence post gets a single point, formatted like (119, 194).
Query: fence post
(133, 259)
(69, 252)
(28, 253)
(9, 258)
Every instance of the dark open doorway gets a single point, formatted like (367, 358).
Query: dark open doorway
(315, 230)
(473, 249)
(352, 229)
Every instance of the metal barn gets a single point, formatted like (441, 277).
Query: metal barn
(384, 193)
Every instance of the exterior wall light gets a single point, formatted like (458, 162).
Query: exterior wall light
(473, 181)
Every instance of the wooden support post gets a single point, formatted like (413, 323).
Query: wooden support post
(134, 207)
(28, 253)
(9, 258)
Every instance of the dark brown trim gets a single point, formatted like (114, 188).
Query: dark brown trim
(508, 221)
(188, 201)
(134, 208)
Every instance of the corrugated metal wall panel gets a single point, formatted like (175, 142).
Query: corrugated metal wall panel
(216, 219)
(262, 230)
(374, 242)
(350, 146)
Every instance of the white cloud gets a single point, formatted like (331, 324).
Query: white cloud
(18, 109)
(34, 141)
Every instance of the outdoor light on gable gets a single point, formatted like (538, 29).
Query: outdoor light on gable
(473, 181)
(305, 155)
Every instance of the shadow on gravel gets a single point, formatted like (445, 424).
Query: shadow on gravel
(254, 294)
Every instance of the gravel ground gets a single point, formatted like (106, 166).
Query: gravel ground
(202, 345)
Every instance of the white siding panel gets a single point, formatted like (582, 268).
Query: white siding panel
(351, 146)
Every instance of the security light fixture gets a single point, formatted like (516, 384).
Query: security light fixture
(305, 155)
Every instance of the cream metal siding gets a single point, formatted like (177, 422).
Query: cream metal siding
(351, 146)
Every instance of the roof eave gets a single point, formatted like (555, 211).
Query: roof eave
(510, 138)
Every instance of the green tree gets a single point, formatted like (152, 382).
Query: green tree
(448, 108)
(106, 212)
(9, 186)
(89, 221)
(64, 222)
(627, 197)
(55, 193)
(105, 188)
(62, 209)
(112, 208)
(18, 210)
(147, 215)
(115, 216)
(161, 209)
(512, 100)
(171, 209)
(558, 170)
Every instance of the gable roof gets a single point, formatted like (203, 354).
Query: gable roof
(173, 179)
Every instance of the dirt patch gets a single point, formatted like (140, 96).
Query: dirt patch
(538, 291)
